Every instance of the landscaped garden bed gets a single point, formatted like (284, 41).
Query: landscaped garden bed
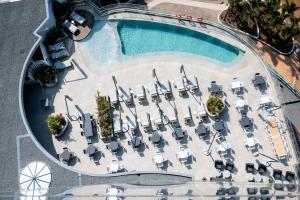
(272, 22)
(104, 116)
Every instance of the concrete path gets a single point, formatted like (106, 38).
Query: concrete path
(198, 4)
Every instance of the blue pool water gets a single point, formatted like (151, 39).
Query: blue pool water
(138, 37)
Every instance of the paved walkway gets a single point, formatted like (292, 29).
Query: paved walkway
(198, 4)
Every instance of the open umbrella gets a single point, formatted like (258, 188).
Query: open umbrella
(35, 179)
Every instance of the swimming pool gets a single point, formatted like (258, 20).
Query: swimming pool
(138, 37)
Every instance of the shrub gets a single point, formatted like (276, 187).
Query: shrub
(45, 74)
(215, 104)
(53, 34)
(103, 114)
(56, 123)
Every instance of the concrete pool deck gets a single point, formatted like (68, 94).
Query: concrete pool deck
(82, 83)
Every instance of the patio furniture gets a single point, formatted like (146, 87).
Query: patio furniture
(221, 191)
(88, 128)
(113, 146)
(181, 86)
(117, 124)
(245, 121)
(219, 164)
(250, 168)
(126, 96)
(201, 130)
(258, 80)
(65, 155)
(153, 91)
(262, 169)
(251, 143)
(91, 150)
(77, 18)
(214, 88)
(56, 47)
(236, 85)
(70, 27)
(114, 99)
(63, 53)
(171, 113)
(141, 95)
(165, 88)
(202, 111)
(252, 190)
(219, 174)
(159, 160)
(229, 166)
(178, 133)
(227, 174)
(62, 65)
(183, 155)
(187, 114)
(136, 142)
(290, 176)
(219, 126)
(155, 138)
(265, 100)
(277, 174)
(145, 121)
(240, 104)
(157, 118)
(115, 167)
(223, 148)
(193, 83)
(132, 121)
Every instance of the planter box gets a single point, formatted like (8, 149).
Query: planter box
(63, 130)
(52, 84)
(214, 115)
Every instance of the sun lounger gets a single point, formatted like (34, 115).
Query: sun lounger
(56, 47)
(59, 54)
(117, 124)
(114, 100)
(181, 87)
(145, 121)
(172, 116)
(165, 88)
(157, 118)
(70, 27)
(132, 122)
(141, 95)
(153, 91)
(77, 18)
(62, 65)
(194, 84)
(127, 96)
(187, 114)
(202, 111)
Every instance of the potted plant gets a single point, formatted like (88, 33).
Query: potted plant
(57, 124)
(215, 105)
(45, 75)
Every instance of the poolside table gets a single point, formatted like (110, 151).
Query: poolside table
(136, 141)
(259, 80)
(227, 174)
(240, 104)
(113, 146)
(158, 159)
(183, 155)
(155, 138)
(223, 147)
(66, 154)
(245, 121)
(88, 129)
(91, 150)
(178, 134)
(265, 100)
(251, 142)
(114, 167)
(236, 85)
(201, 130)
(219, 173)
(219, 126)
(215, 88)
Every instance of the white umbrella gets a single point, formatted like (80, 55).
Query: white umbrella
(35, 179)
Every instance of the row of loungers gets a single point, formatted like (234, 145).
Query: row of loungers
(154, 89)
(71, 26)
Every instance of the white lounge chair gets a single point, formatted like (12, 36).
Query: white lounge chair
(165, 88)
(117, 123)
(56, 47)
(132, 121)
(141, 95)
(59, 54)
(172, 116)
(145, 121)
(194, 84)
(70, 27)
(187, 114)
(181, 87)
(202, 111)
(157, 118)
(153, 91)
(114, 100)
(77, 18)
